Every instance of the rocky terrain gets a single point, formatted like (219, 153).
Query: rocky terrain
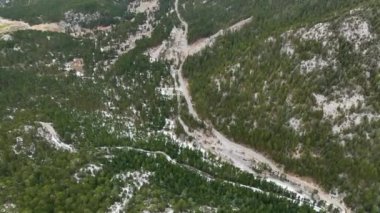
(307, 97)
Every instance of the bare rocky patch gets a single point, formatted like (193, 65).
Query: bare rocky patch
(133, 181)
(47, 132)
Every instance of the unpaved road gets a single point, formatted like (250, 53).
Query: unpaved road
(201, 44)
(215, 142)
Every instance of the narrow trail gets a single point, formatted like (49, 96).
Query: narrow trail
(203, 174)
(215, 142)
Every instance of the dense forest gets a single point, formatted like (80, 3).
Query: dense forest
(301, 85)
(91, 122)
(39, 179)
(84, 126)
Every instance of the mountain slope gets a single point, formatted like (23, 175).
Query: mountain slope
(90, 123)
(305, 93)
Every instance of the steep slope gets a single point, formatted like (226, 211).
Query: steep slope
(306, 94)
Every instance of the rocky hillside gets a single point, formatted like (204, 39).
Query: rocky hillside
(306, 93)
